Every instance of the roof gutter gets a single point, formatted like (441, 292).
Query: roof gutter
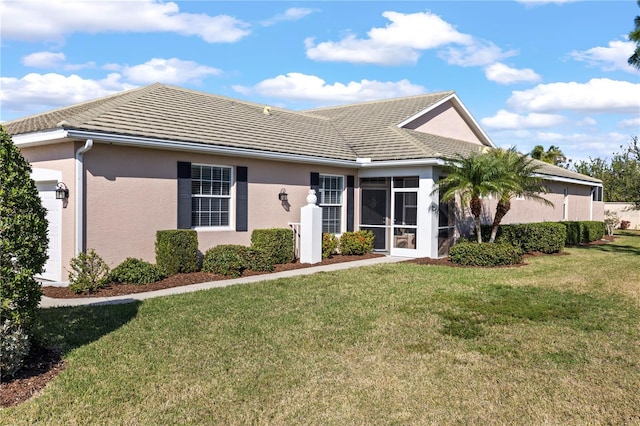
(207, 149)
(80, 195)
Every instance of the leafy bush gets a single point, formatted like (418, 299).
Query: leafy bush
(136, 271)
(88, 272)
(177, 251)
(625, 224)
(14, 347)
(544, 237)
(584, 231)
(611, 221)
(23, 237)
(486, 254)
(356, 243)
(229, 260)
(259, 260)
(277, 242)
(329, 245)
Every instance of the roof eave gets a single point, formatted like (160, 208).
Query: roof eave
(46, 137)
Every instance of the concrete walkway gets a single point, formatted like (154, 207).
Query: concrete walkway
(48, 302)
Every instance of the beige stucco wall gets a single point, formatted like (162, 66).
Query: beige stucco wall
(60, 157)
(446, 121)
(625, 212)
(132, 193)
(579, 204)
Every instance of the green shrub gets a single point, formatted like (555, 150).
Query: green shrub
(584, 231)
(88, 272)
(177, 251)
(592, 230)
(136, 271)
(259, 260)
(544, 237)
(23, 237)
(329, 245)
(486, 254)
(356, 243)
(14, 347)
(277, 242)
(229, 260)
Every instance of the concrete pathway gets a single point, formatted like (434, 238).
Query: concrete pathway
(48, 302)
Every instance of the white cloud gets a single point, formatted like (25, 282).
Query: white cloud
(44, 60)
(37, 92)
(309, 88)
(53, 60)
(291, 14)
(170, 71)
(587, 121)
(36, 20)
(631, 123)
(477, 54)
(597, 95)
(397, 43)
(509, 120)
(503, 74)
(611, 58)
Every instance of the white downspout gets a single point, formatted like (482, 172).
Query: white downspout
(80, 195)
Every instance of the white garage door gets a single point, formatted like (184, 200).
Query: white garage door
(53, 267)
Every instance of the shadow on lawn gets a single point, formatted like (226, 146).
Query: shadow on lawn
(633, 249)
(72, 327)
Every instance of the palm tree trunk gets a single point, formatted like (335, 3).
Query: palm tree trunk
(476, 211)
(502, 209)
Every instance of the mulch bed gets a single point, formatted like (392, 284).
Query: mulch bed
(42, 365)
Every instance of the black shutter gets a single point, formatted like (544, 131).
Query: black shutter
(242, 199)
(350, 202)
(184, 195)
(315, 185)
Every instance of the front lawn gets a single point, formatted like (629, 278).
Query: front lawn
(554, 342)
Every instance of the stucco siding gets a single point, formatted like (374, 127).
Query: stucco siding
(445, 121)
(60, 157)
(132, 193)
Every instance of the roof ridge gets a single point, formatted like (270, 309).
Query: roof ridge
(379, 101)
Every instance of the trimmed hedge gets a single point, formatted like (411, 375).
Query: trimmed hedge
(278, 242)
(584, 231)
(177, 251)
(231, 260)
(544, 237)
(356, 243)
(486, 254)
(136, 271)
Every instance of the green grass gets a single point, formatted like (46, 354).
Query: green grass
(554, 342)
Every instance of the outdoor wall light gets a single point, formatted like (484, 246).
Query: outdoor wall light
(282, 196)
(62, 192)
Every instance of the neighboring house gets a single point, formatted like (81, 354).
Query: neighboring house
(163, 157)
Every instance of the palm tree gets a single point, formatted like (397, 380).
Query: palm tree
(553, 155)
(634, 35)
(520, 171)
(474, 177)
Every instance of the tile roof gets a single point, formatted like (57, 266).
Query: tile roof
(164, 112)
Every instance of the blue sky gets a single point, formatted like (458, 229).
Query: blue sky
(531, 73)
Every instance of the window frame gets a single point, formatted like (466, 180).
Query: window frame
(230, 197)
(340, 206)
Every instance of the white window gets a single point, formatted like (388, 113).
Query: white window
(331, 189)
(210, 195)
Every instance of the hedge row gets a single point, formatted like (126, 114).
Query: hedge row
(544, 237)
(494, 254)
(349, 243)
(584, 231)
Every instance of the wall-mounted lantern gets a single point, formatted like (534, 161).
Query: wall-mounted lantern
(282, 196)
(62, 192)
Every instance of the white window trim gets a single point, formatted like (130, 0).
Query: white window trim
(231, 197)
(343, 214)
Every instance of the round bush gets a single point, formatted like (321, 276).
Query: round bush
(136, 271)
(329, 245)
(88, 272)
(486, 254)
(229, 260)
(356, 243)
